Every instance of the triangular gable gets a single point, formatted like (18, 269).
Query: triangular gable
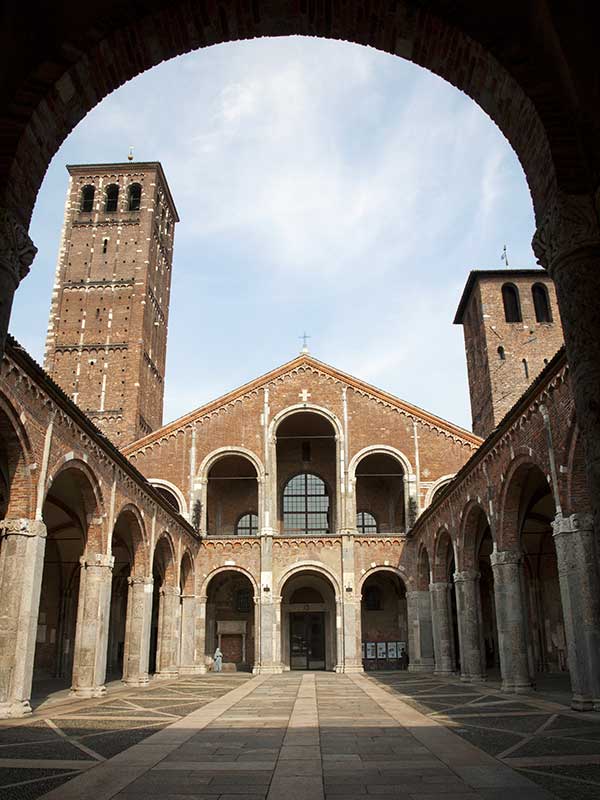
(308, 361)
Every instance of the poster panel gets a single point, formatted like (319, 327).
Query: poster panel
(381, 650)
(371, 650)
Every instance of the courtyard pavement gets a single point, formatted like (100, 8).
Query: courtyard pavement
(304, 736)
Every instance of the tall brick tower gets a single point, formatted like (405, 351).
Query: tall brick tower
(107, 333)
(512, 329)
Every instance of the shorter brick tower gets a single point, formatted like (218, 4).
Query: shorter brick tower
(107, 333)
(512, 329)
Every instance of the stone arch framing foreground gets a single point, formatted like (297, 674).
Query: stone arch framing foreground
(548, 110)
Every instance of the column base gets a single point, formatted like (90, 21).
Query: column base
(192, 669)
(353, 669)
(444, 673)
(269, 669)
(167, 673)
(140, 680)
(579, 703)
(473, 678)
(420, 668)
(87, 692)
(516, 688)
(16, 708)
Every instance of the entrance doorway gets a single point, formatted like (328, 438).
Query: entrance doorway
(307, 640)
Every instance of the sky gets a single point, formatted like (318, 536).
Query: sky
(323, 187)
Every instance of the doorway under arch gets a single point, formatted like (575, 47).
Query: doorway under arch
(309, 635)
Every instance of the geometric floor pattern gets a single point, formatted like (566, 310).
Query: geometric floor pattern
(304, 736)
(66, 739)
(557, 748)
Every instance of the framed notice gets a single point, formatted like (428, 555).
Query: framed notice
(392, 648)
(371, 653)
(381, 650)
(364, 651)
(401, 648)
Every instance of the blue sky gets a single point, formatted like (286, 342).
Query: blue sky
(322, 186)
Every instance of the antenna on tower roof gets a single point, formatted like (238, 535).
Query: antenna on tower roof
(504, 256)
(130, 156)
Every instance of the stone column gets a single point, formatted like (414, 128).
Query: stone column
(468, 606)
(17, 251)
(577, 559)
(187, 661)
(420, 635)
(91, 635)
(168, 629)
(511, 621)
(339, 635)
(567, 244)
(257, 646)
(442, 627)
(351, 661)
(22, 546)
(200, 632)
(137, 631)
(270, 630)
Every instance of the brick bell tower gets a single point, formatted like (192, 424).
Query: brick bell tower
(512, 329)
(107, 333)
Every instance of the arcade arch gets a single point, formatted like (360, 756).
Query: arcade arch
(380, 489)
(165, 609)
(310, 632)
(232, 619)
(306, 484)
(233, 489)
(384, 621)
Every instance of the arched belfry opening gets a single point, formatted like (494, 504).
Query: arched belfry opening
(307, 479)
(310, 638)
(384, 622)
(381, 500)
(232, 497)
(231, 621)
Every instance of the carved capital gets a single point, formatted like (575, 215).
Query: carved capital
(22, 527)
(571, 224)
(439, 586)
(17, 251)
(501, 558)
(466, 576)
(101, 560)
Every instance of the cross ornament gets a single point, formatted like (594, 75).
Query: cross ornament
(304, 395)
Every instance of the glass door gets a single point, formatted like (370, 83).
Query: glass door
(307, 641)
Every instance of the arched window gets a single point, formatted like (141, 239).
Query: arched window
(305, 505)
(372, 598)
(366, 522)
(247, 525)
(501, 353)
(87, 198)
(512, 303)
(112, 197)
(135, 197)
(169, 496)
(541, 303)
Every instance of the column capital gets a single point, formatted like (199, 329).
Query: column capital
(570, 225)
(97, 560)
(566, 525)
(500, 558)
(20, 526)
(169, 590)
(17, 251)
(439, 586)
(466, 575)
(145, 580)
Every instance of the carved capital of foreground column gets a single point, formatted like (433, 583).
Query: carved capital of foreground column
(502, 558)
(570, 225)
(17, 251)
(466, 576)
(22, 527)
